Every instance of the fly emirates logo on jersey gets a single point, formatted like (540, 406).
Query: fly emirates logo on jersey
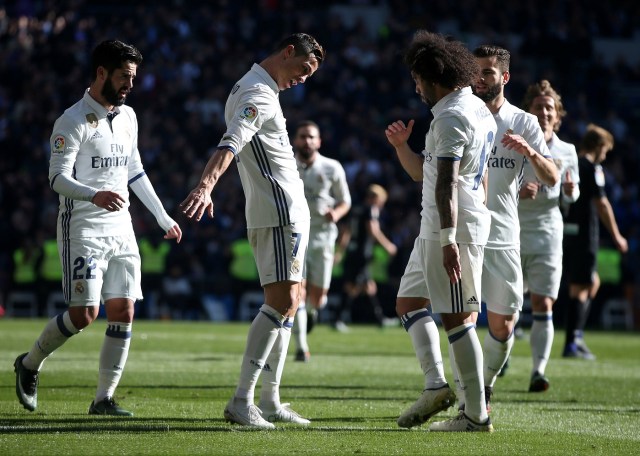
(117, 158)
(496, 161)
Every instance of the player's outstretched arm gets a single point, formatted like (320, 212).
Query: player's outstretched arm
(199, 200)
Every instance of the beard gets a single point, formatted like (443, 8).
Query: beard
(112, 95)
(491, 93)
(305, 153)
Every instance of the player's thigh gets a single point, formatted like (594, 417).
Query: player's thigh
(502, 284)
(542, 273)
(462, 296)
(84, 263)
(280, 252)
(413, 283)
(123, 274)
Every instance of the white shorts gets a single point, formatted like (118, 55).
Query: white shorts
(425, 277)
(280, 251)
(542, 273)
(320, 255)
(100, 268)
(502, 287)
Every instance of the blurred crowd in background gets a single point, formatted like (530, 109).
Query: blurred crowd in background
(194, 51)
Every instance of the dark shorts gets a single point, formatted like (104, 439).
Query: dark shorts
(356, 269)
(580, 264)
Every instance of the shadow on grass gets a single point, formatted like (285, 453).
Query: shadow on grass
(155, 425)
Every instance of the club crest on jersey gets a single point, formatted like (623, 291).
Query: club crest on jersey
(249, 114)
(79, 289)
(58, 144)
(295, 267)
(92, 119)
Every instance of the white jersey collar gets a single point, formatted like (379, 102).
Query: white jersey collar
(440, 105)
(262, 73)
(97, 107)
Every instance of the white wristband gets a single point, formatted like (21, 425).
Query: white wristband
(447, 236)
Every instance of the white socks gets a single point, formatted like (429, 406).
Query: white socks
(541, 340)
(56, 332)
(468, 358)
(263, 333)
(300, 328)
(270, 392)
(113, 357)
(496, 353)
(426, 343)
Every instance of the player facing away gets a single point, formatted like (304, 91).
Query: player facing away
(94, 158)
(582, 237)
(329, 199)
(521, 140)
(541, 225)
(445, 266)
(277, 218)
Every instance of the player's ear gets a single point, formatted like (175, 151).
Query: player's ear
(506, 76)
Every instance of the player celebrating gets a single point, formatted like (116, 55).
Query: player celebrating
(541, 226)
(444, 270)
(94, 156)
(522, 141)
(277, 218)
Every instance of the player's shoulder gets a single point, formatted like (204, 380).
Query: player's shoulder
(328, 162)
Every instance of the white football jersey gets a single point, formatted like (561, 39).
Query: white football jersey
(541, 222)
(325, 185)
(506, 174)
(101, 154)
(257, 134)
(462, 129)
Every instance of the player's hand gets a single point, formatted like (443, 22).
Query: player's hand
(451, 262)
(397, 133)
(621, 244)
(516, 142)
(174, 233)
(108, 200)
(198, 201)
(529, 190)
(568, 186)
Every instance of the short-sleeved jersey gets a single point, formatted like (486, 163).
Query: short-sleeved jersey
(582, 218)
(360, 246)
(463, 130)
(101, 153)
(325, 185)
(541, 221)
(257, 134)
(506, 168)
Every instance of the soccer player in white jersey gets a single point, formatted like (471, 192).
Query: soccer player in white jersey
(541, 226)
(329, 199)
(277, 218)
(445, 267)
(521, 141)
(94, 157)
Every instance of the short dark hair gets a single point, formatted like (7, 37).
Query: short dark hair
(307, 123)
(304, 44)
(544, 89)
(437, 59)
(503, 57)
(111, 54)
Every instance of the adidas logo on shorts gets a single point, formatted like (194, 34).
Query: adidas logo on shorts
(472, 300)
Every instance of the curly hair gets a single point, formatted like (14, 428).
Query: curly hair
(437, 59)
(544, 89)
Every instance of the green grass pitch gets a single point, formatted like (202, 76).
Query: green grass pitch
(180, 375)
